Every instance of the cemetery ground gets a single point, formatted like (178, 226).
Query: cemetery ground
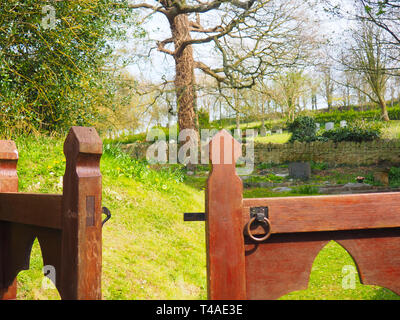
(149, 252)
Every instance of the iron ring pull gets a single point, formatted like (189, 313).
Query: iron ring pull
(107, 212)
(266, 236)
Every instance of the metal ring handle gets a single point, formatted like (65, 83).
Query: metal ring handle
(265, 237)
(107, 213)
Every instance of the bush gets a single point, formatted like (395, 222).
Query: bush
(303, 129)
(394, 176)
(358, 131)
(204, 118)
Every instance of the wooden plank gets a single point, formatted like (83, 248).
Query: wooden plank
(226, 276)
(41, 210)
(328, 213)
(8, 183)
(81, 217)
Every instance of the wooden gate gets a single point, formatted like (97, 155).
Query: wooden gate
(243, 265)
(67, 226)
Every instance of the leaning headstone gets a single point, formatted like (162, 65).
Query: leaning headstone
(300, 170)
(343, 123)
(329, 126)
(263, 131)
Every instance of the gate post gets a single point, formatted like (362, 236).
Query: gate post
(8, 183)
(81, 254)
(226, 274)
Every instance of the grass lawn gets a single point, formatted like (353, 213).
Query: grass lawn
(148, 251)
(274, 138)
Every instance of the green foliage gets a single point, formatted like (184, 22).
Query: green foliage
(52, 77)
(394, 176)
(303, 129)
(124, 165)
(266, 178)
(318, 165)
(306, 189)
(357, 131)
(204, 118)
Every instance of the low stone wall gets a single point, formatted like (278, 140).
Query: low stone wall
(350, 153)
(347, 153)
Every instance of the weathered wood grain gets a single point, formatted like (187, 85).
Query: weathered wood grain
(8, 183)
(42, 210)
(328, 213)
(225, 246)
(81, 243)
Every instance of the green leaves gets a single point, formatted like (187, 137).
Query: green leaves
(123, 165)
(52, 62)
(303, 129)
(358, 131)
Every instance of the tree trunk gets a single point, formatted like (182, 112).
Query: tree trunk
(184, 76)
(382, 103)
(237, 120)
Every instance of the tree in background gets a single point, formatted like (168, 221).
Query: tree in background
(288, 89)
(248, 38)
(53, 62)
(385, 14)
(369, 56)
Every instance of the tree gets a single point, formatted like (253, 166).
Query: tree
(289, 87)
(53, 59)
(385, 14)
(248, 37)
(327, 84)
(369, 56)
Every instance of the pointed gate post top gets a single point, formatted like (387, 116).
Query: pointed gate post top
(82, 140)
(224, 149)
(8, 150)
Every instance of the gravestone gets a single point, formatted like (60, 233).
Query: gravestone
(318, 126)
(329, 126)
(343, 123)
(263, 131)
(269, 132)
(279, 131)
(382, 176)
(300, 170)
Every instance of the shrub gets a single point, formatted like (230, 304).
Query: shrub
(303, 129)
(358, 131)
(394, 176)
(204, 118)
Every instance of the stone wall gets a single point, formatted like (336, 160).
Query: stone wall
(347, 153)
